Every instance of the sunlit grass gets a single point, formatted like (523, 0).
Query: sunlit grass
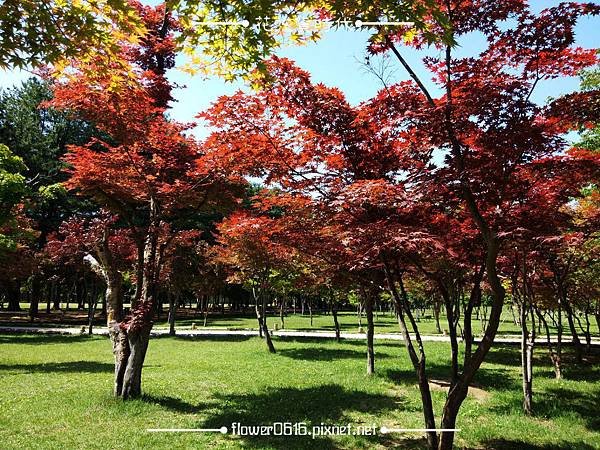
(55, 392)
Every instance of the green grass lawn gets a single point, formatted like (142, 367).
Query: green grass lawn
(55, 393)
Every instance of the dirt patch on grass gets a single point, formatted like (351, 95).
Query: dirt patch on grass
(474, 391)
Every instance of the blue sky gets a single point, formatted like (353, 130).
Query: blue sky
(333, 61)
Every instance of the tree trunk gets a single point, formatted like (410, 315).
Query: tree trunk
(172, 311)
(260, 308)
(205, 305)
(458, 392)
(554, 355)
(336, 322)
(36, 292)
(92, 303)
(576, 341)
(51, 295)
(456, 396)
(266, 331)
(359, 314)
(13, 295)
(436, 315)
(370, 333)
(114, 316)
(527, 343)
(57, 297)
(418, 361)
(282, 312)
(132, 378)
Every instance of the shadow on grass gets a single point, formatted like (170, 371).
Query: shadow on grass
(499, 379)
(171, 403)
(328, 404)
(362, 343)
(65, 367)
(199, 320)
(37, 339)
(506, 444)
(557, 402)
(326, 354)
(219, 338)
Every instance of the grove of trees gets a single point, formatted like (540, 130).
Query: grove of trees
(453, 190)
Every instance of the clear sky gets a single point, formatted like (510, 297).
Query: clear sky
(333, 61)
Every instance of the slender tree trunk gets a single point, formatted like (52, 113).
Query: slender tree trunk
(554, 356)
(282, 312)
(266, 331)
(575, 336)
(586, 332)
(36, 292)
(336, 322)
(418, 361)
(259, 316)
(368, 298)
(527, 344)
(139, 271)
(172, 312)
(436, 315)
(51, 295)
(260, 308)
(92, 303)
(458, 392)
(205, 303)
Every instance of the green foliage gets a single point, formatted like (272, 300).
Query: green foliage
(12, 182)
(590, 139)
(236, 50)
(46, 32)
(13, 188)
(39, 136)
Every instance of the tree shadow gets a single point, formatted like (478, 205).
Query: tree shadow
(214, 338)
(331, 340)
(171, 403)
(559, 401)
(499, 379)
(58, 367)
(325, 354)
(199, 320)
(328, 404)
(37, 339)
(507, 444)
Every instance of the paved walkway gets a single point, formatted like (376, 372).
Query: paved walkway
(504, 339)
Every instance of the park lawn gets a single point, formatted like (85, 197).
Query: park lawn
(55, 393)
